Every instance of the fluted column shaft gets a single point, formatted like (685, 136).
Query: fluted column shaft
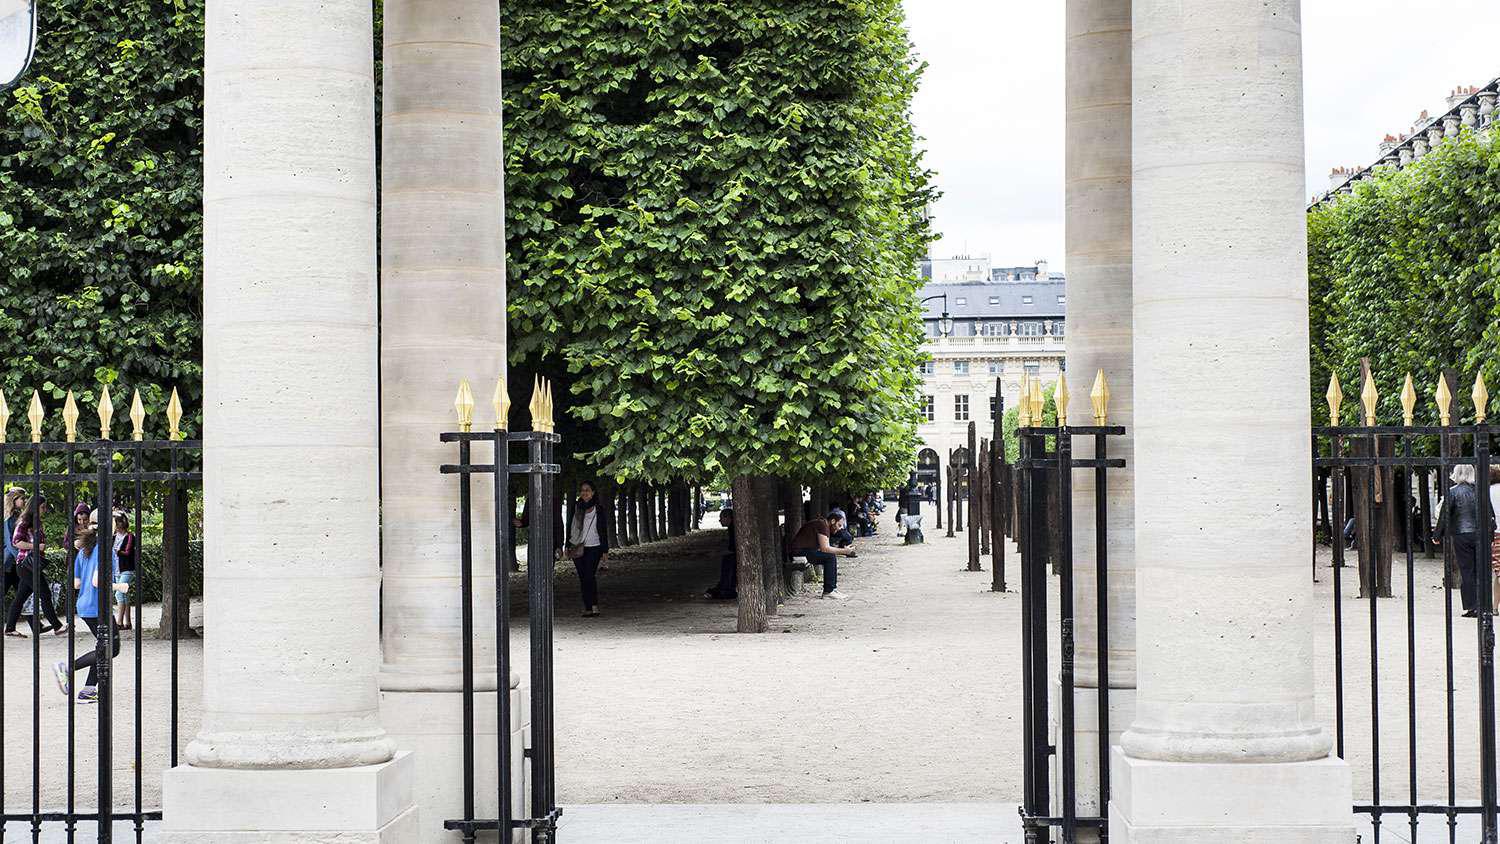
(442, 319)
(1223, 519)
(291, 572)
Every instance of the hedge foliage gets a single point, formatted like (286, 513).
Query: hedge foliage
(1406, 271)
(714, 212)
(100, 221)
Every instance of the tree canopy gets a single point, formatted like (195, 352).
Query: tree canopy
(714, 213)
(1406, 271)
(100, 207)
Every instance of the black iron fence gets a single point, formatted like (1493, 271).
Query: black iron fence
(1047, 460)
(110, 478)
(1377, 477)
(541, 471)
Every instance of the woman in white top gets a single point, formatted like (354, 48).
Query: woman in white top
(588, 544)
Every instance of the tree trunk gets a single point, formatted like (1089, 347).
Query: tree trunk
(791, 503)
(647, 526)
(174, 566)
(752, 596)
(662, 532)
(770, 544)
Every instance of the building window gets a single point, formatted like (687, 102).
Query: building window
(1031, 329)
(994, 329)
(927, 368)
(929, 408)
(1062, 300)
(960, 367)
(1057, 328)
(961, 301)
(1034, 370)
(961, 408)
(997, 368)
(1025, 300)
(994, 300)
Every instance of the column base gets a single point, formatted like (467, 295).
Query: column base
(430, 726)
(1156, 802)
(1086, 744)
(367, 805)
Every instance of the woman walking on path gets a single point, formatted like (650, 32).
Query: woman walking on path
(30, 540)
(1458, 517)
(15, 502)
(125, 553)
(588, 544)
(87, 580)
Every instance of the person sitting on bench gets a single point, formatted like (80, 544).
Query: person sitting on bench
(813, 542)
(729, 563)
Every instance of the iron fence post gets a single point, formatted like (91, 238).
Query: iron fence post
(105, 644)
(503, 527)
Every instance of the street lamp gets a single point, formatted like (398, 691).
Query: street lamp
(17, 40)
(945, 322)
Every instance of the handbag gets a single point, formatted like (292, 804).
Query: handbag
(573, 552)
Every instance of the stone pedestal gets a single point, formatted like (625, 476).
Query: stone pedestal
(371, 804)
(1226, 737)
(1230, 803)
(431, 725)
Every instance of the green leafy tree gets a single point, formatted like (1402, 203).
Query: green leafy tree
(1406, 271)
(100, 196)
(714, 212)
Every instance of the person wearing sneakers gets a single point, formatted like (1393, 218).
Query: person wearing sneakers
(812, 542)
(86, 581)
(30, 540)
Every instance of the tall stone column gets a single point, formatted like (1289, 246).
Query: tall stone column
(1226, 745)
(290, 707)
(442, 319)
(1099, 338)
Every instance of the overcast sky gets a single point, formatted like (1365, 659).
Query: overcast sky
(991, 104)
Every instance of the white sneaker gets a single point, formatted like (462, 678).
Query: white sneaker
(60, 671)
(834, 595)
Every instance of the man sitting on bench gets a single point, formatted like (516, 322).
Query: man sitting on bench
(812, 542)
(727, 588)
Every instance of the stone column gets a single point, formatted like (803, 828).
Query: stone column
(442, 319)
(1099, 284)
(290, 707)
(1226, 744)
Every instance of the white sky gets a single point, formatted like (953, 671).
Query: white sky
(991, 103)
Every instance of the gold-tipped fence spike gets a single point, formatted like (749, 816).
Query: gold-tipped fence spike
(1408, 402)
(174, 416)
(501, 402)
(1099, 397)
(1060, 397)
(70, 417)
(464, 404)
(1038, 403)
(137, 417)
(1370, 398)
(1335, 399)
(1023, 403)
(551, 410)
(35, 415)
(106, 413)
(1481, 396)
(4, 417)
(1444, 397)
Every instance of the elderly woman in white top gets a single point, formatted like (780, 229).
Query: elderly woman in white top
(588, 544)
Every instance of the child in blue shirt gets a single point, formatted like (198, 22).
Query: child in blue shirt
(86, 582)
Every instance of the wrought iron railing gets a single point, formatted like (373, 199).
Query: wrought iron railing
(541, 547)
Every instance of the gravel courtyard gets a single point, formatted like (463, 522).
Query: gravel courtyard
(907, 691)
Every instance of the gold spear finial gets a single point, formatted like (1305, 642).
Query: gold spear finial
(106, 413)
(1038, 403)
(551, 409)
(464, 404)
(1370, 397)
(1444, 398)
(35, 415)
(1335, 399)
(4, 417)
(70, 417)
(1408, 402)
(174, 416)
(1099, 397)
(1023, 403)
(1481, 397)
(535, 406)
(1060, 398)
(137, 417)
(501, 401)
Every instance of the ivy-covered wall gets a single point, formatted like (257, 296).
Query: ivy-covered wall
(1406, 271)
(100, 222)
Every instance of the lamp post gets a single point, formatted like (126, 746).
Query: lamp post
(945, 322)
(17, 40)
